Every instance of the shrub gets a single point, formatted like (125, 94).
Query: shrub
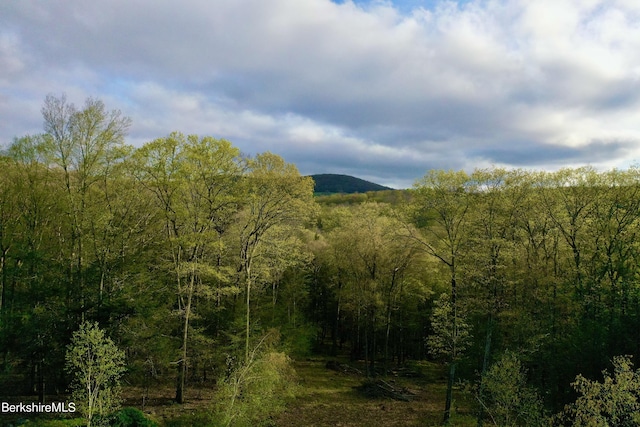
(614, 402)
(96, 365)
(256, 390)
(75, 422)
(130, 417)
(506, 396)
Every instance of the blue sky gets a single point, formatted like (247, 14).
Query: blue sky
(380, 90)
(403, 6)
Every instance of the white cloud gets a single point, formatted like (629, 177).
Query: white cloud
(343, 87)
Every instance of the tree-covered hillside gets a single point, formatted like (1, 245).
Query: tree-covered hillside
(332, 183)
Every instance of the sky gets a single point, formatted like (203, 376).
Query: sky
(381, 90)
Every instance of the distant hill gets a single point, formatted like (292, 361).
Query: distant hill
(345, 184)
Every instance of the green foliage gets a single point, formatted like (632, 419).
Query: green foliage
(194, 184)
(613, 402)
(279, 202)
(75, 422)
(129, 417)
(158, 244)
(391, 197)
(342, 199)
(451, 333)
(255, 390)
(96, 365)
(506, 396)
(299, 340)
(195, 419)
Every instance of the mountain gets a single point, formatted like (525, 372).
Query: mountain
(331, 183)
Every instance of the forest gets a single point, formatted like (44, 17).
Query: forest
(184, 264)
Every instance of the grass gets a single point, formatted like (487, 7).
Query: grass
(330, 398)
(325, 398)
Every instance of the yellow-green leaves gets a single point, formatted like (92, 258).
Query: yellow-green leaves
(613, 402)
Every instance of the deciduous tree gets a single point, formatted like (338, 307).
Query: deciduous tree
(276, 196)
(96, 365)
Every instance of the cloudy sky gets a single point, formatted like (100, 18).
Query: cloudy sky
(382, 90)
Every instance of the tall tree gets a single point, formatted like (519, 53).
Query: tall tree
(195, 184)
(276, 196)
(441, 209)
(36, 309)
(496, 206)
(569, 196)
(84, 144)
(375, 262)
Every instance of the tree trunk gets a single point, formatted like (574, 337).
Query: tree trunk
(388, 325)
(449, 400)
(366, 345)
(336, 325)
(3, 268)
(248, 313)
(374, 344)
(41, 383)
(452, 366)
(182, 364)
(386, 341)
(485, 366)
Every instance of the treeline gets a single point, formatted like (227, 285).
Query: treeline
(162, 245)
(189, 254)
(393, 197)
(542, 264)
